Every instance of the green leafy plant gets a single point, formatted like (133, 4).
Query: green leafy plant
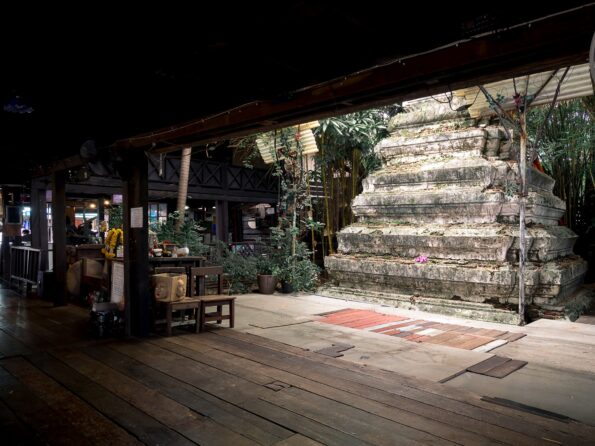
(189, 234)
(290, 259)
(265, 264)
(116, 218)
(240, 271)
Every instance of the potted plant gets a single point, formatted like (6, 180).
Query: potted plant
(267, 281)
(291, 262)
(187, 239)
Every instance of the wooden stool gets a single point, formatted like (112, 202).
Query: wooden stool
(198, 288)
(180, 305)
(219, 302)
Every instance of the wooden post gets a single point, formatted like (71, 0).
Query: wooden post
(222, 220)
(59, 230)
(39, 221)
(522, 208)
(5, 242)
(136, 247)
(100, 216)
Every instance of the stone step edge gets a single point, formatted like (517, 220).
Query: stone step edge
(467, 310)
(574, 305)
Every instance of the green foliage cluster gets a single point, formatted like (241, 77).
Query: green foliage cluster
(116, 218)
(290, 260)
(361, 131)
(566, 147)
(187, 235)
(239, 270)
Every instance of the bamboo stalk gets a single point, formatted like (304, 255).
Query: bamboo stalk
(326, 195)
(354, 179)
(343, 187)
(311, 217)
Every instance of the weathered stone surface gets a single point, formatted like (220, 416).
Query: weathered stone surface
(491, 242)
(471, 310)
(458, 205)
(464, 280)
(447, 189)
(394, 151)
(423, 112)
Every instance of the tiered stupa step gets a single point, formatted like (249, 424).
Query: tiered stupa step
(447, 190)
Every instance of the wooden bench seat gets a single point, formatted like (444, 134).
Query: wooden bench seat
(219, 300)
(182, 306)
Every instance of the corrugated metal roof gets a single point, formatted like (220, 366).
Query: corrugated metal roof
(266, 143)
(576, 84)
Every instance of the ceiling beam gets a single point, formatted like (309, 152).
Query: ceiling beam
(544, 44)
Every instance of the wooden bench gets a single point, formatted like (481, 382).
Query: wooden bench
(219, 300)
(183, 305)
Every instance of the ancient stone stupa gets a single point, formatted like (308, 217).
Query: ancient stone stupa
(447, 191)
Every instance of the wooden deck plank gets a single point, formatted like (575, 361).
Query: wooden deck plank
(305, 426)
(298, 440)
(505, 369)
(484, 366)
(454, 400)
(142, 426)
(38, 331)
(188, 423)
(93, 425)
(368, 427)
(430, 408)
(240, 421)
(227, 387)
(401, 410)
(235, 390)
(11, 346)
(36, 414)
(14, 432)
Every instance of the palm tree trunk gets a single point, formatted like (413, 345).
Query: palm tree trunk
(183, 185)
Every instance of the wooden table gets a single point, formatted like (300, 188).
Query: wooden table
(186, 261)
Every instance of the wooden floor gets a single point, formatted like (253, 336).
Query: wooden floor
(58, 386)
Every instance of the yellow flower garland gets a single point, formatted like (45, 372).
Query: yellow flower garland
(114, 238)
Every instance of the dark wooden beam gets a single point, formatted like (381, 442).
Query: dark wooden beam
(136, 248)
(59, 235)
(552, 42)
(222, 213)
(39, 221)
(63, 164)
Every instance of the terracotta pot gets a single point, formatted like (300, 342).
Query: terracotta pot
(266, 283)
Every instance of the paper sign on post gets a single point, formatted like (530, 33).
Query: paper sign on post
(136, 217)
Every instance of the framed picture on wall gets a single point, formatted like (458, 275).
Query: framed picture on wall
(13, 215)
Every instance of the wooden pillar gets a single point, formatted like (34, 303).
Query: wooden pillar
(59, 230)
(136, 246)
(100, 209)
(100, 216)
(222, 220)
(39, 221)
(6, 239)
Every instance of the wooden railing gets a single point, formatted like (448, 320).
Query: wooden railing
(24, 266)
(247, 249)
